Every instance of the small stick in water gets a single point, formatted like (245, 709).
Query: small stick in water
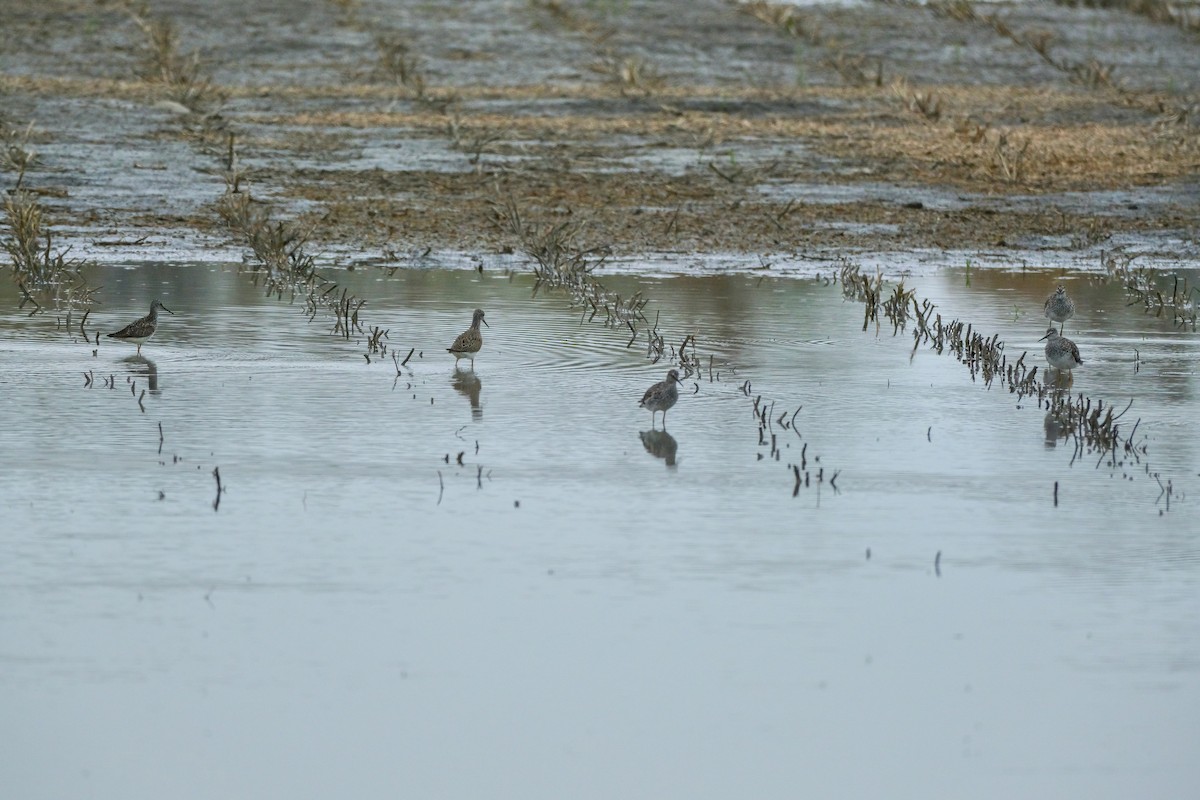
(217, 501)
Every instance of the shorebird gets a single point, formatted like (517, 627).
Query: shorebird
(1059, 308)
(138, 332)
(469, 341)
(1061, 352)
(661, 396)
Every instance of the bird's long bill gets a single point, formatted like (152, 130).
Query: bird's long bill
(164, 308)
(484, 321)
(1044, 338)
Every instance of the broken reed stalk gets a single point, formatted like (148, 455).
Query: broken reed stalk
(764, 415)
(1092, 73)
(15, 153)
(375, 341)
(179, 75)
(632, 75)
(1161, 11)
(1148, 288)
(786, 18)
(282, 265)
(1094, 425)
(398, 64)
(559, 263)
(39, 269)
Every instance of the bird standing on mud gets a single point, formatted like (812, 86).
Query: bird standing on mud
(1059, 308)
(138, 332)
(661, 396)
(469, 341)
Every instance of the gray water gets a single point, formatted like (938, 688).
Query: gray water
(566, 613)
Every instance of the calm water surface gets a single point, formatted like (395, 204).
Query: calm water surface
(566, 613)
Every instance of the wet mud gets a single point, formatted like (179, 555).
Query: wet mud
(806, 133)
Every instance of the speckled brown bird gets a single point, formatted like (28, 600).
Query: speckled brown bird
(661, 396)
(1059, 308)
(469, 341)
(138, 332)
(1061, 352)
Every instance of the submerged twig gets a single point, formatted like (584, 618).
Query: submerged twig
(217, 500)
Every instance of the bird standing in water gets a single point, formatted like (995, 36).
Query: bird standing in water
(138, 332)
(1059, 308)
(1061, 352)
(661, 396)
(469, 341)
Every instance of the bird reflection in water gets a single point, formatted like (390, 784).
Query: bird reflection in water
(1055, 430)
(144, 368)
(467, 384)
(660, 444)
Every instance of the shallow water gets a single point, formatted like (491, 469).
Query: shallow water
(566, 612)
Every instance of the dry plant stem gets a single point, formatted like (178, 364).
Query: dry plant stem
(1181, 16)
(1093, 424)
(15, 153)
(561, 264)
(217, 500)
(45, 275)
(1149, 288)
(398, 63)
(1005, 156)
(282, 265)
(1092, 73)
(180, 75)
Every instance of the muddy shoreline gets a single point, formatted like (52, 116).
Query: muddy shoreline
(814, 132)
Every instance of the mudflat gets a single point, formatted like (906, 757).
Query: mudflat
(807, 132)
